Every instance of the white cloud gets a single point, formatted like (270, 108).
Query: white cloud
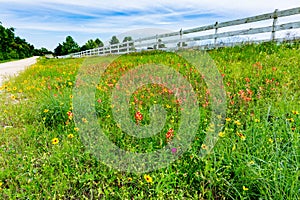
(106, 18)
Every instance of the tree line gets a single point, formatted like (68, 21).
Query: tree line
(14, 47)
(71, 46)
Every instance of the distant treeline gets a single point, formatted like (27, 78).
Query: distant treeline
(14, 47)
(71, 46)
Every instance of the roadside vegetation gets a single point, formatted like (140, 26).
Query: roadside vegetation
(256, 156)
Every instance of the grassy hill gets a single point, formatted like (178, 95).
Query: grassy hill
(42, 154)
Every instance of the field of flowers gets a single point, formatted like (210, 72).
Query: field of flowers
(43, 156)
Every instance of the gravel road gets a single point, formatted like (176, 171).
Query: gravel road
(12, 68)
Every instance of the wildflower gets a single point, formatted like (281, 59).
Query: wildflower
(257, 120)
(245, 188)
(13, 97)
(291, 119)
(170, 134)
(174, 150)
(70, 83)
(1, 184)
(14, 88)
(84, 120)
(76, 129)
(70, 115)
(237, 122)
(221, 134)
(148, 178)
(46, 110)
(129, 179)
(71, 96)
(241, 135)
(203, 146)
(228, 119)
(138, 116)
(295, 112)
(251, 162)
(271, 140)
(55, 141)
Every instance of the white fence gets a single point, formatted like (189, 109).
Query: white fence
(191, 37)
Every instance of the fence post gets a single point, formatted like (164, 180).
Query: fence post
(180, 41)
(275, 19)
(156, 45)
(127, 47)
(216, 32)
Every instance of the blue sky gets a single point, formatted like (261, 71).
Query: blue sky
(45, 23)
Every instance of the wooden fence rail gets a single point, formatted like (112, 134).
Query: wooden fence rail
(179, 39)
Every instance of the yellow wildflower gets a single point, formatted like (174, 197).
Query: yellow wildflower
(295, 112)
(245, 188)
(148, 178)
(271, 140)
(84, 120)
(251, 162)
(237, 122)
(55, 141)
(222, 134)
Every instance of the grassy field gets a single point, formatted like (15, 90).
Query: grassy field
(256, 157)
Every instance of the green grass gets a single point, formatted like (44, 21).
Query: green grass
(256, 156)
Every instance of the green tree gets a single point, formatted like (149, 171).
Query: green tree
(69, 46)
(114, 40)
(91, 44)
(99, 42)
(13, 47)
(127, 38)
(58, 50)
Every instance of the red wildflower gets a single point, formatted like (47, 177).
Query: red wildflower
(138, 116)
(70, 114)
(170, 134)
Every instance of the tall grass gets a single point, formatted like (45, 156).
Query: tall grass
(256, 157)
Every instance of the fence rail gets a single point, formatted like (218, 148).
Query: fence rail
(179, 39)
